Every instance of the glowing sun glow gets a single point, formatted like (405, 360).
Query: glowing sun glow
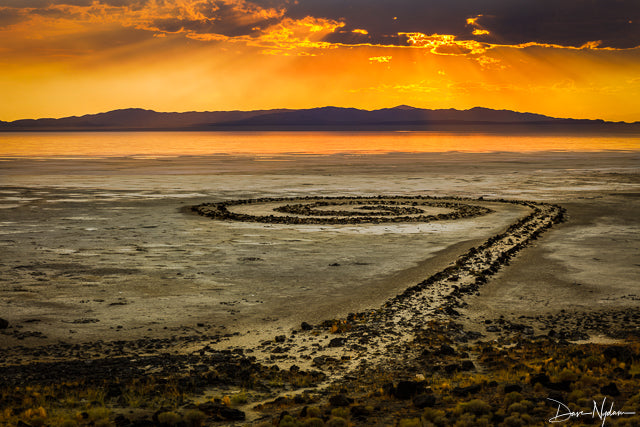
(61, 58)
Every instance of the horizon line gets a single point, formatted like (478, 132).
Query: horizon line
(407, 106)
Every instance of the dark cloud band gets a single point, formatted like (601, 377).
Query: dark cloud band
(614, 23)
(567, 22)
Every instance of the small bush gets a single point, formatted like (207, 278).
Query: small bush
(194, 418)
(435, 416)
(37, 421)
(313, 422)
(340, 413)
(475, 406)
(169, 418)
(239, 399)
(288, 421)
(314, 412)
(470, 420)
(512, 397)
(337, 422)
(522, 407)
(99, 413)
(513, 421)
(410, 422)
(567, 375)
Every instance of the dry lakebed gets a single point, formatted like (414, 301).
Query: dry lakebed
(423, 289)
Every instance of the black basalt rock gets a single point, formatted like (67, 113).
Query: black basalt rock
(446, 350)
(610, 389)
(510, 388)
(407, 389)
(232, 414)
(337, 342)
(340, 400)
(621, 354)
(424, 400)
(466, 391)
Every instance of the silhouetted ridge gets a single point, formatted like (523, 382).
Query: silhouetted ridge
(324, 118)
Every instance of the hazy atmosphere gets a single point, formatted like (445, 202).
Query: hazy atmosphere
(573, 58)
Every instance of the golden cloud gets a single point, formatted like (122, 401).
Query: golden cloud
(445, 44)
(240, 21)
(189, 16)
(381, 59)
(290, 34)
(479, 32)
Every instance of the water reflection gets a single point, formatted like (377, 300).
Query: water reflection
(159, 144)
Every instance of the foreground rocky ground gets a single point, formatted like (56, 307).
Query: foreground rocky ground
(444, 376)
(411, 362)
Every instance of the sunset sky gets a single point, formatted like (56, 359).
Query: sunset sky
(564, 58)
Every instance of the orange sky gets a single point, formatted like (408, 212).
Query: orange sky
(60, 58)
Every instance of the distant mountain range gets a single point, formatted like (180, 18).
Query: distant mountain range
(402, 117)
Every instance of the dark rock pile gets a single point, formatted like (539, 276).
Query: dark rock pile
(378, 209)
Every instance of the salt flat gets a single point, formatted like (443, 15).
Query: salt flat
(108, 249)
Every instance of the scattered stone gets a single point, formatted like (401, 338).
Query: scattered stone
(142, 423)
(218, 409)
(541, 378)
(621, 354)
(337, 342)
(424, 400)
(510, 388)
(451, 368)
(121, 421)
(360, 412)
(324, 360)
(467, 365)
(340, 400)
(278, 350)
(83, 321)
(446, 350)
(560, 386)
(610, 389)
(113, 390)
(232, 414)
(407, 389)
(466, 391)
